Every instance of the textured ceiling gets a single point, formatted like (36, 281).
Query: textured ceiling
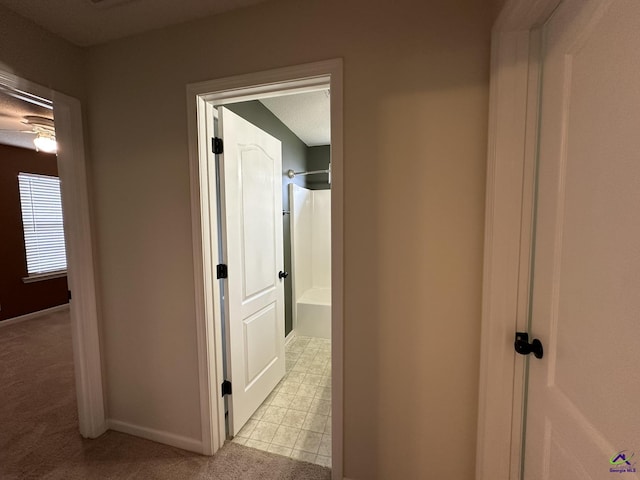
(306, 114)
(12, 113)
(90, 22)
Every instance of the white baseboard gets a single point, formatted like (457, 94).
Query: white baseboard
(291, 336)
(159, 436)
(29, 316)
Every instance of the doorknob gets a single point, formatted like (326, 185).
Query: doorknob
(523, 347)
(282, 274)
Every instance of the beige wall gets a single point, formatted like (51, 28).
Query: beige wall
(496, 6)
(415, 125)
(34, 54)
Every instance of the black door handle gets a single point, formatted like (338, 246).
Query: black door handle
(523, 347)
(282, 274)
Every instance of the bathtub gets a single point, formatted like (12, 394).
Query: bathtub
(313, 313)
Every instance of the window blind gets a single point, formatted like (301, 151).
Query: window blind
(42, 223)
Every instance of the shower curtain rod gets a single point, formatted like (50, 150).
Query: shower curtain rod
(292, 174)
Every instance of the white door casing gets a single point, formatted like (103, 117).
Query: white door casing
(252, 230)
(85, 330)
(509, 210)
(581, 408)
(201, 98)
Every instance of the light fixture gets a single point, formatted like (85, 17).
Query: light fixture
(45, 140)
(44, 131)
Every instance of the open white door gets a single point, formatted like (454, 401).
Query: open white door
(252, 232)
(583, 420)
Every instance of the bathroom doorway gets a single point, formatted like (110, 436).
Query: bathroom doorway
(283, 424)
(290, 416)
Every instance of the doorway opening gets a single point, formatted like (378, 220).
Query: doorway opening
(69, 166)
(305, 374)
(33, 277)
(294, 416)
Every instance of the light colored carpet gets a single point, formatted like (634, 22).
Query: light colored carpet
(38, 425)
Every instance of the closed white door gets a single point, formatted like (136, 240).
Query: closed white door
(583, 418)
(252, 231)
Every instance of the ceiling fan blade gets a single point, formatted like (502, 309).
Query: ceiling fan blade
(8, 130)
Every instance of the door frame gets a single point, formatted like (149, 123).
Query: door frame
(201, 98)
(72, 172)
(512, 149)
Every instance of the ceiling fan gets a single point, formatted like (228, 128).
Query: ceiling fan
(44, 131)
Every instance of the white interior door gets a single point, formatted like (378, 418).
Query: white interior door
(252, 230)
(583, 420)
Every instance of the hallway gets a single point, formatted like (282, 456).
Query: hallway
(38, 419)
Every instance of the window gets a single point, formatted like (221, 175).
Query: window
(42, 223)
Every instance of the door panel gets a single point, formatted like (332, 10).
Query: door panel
(252, 231)
(260, 333)
(586, 284)
(258, 220)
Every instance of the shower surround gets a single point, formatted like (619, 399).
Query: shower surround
(311, 261)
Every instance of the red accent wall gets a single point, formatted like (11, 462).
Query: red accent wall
(16, 297)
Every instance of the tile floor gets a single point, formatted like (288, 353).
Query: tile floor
(295, 419)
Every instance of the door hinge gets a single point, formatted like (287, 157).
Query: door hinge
(69, 294)
(217, 145)
(226, 388)
(222, 271)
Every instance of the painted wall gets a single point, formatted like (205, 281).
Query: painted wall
(293, 157)
(28, 51)
(415, 126)
(16, 297)
(496, 6)
(318, 158)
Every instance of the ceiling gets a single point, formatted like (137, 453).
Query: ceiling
(90, 22)
(13, 110)
(306, 114)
